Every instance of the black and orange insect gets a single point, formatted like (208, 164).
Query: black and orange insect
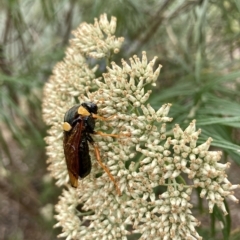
(79, 124)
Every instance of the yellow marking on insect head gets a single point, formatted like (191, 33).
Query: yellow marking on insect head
(83, 111)
(66, 126)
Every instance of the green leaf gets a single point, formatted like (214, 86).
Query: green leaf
(228, 121)
(237, 2)
(225, 220)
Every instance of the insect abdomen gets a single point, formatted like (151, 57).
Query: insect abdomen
(85, 164)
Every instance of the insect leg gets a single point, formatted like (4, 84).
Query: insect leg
(106, 134)
(97, 153)
(111, 135)
(102, 118)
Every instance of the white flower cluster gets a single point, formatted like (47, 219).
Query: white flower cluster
(97, 40)
(141, 159)
(170, 216)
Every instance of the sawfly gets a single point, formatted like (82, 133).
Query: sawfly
(79, 124)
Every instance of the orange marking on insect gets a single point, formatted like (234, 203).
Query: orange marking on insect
(83, 111)
(66, 126)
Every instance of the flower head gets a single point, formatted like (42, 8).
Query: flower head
(141, 159)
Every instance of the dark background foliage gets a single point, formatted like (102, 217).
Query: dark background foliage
(196, 41)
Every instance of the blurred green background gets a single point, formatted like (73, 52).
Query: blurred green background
(196, 41)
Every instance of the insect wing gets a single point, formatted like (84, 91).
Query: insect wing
(71, 143)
